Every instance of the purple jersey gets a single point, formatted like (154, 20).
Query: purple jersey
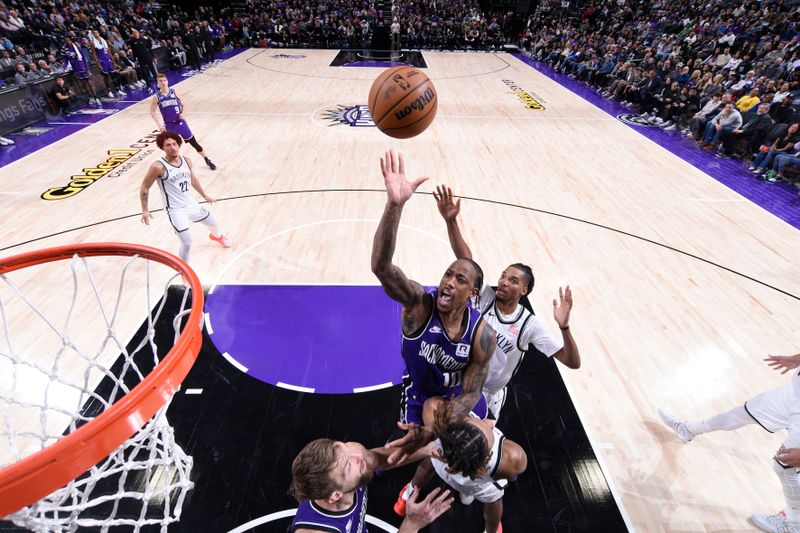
(169, 105)
(104, 60)
(435, 362)
(311, 516)
(74, 55)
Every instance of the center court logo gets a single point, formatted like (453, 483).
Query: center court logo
(118, 162)
(524, 96)
(354, 115)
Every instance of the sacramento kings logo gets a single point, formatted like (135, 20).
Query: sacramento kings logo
(355, 116)
(635, 120)
(288, 56)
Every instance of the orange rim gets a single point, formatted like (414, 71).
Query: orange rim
(45, 471)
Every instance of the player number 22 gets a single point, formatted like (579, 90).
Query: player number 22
(184, 186)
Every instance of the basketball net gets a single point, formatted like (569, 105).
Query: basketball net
(64, 361)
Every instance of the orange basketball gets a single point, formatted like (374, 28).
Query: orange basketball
(402, 102)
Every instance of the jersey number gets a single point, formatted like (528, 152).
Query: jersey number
(453, 379)
(184, 186)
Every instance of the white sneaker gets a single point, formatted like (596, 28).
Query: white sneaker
(678, 426)
(132, 87)
(111, 94)
(7, 140)
(672, 127)
(466, 500)
(121, 93)
(4, 141)
(775, 523)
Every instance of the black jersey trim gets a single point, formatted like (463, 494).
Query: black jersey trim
(521, 331)
(335, 514)
(315, 526)
(418, 333)
(164, 159)
(756, 419)
(165, 175)
(499, 456)
(499, 315)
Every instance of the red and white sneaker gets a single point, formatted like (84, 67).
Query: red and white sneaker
(400, 504)
(499, 528)
(222, 239)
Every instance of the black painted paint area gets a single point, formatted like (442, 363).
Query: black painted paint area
(378, 58)
(243, 435)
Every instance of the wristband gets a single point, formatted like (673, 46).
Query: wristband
(563, 329)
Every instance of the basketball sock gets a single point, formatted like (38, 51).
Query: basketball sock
(791, 490)
(727, 421)
(211, 222)
(408, 492)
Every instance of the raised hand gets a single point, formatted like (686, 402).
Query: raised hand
(415, 438)
(783, 362)
(398, 189)
(562, 307)
(448, 208)
(420, 514)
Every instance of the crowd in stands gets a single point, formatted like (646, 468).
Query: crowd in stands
(350, 24)
(724, 73)
(448, 24)
(37, 39)
(33, 33)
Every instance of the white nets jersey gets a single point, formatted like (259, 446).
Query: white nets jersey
(516, 333)
(175, 185)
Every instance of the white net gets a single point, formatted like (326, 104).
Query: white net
(63, 362)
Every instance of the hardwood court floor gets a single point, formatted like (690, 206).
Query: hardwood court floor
(681, 286)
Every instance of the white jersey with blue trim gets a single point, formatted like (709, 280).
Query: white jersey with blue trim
(175, 185)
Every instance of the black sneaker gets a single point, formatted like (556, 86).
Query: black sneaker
(210, 164)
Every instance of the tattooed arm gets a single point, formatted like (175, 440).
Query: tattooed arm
(476, 372)
(399, 288)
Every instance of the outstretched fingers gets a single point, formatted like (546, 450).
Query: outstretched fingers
(419, 181)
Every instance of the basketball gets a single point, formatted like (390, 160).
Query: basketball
(402, 102)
